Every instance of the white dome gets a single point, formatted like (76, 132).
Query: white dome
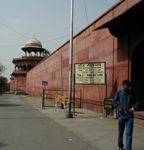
(34, 42)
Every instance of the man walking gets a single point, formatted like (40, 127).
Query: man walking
(126, 103)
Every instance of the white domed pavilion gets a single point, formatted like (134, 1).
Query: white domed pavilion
(33, 55)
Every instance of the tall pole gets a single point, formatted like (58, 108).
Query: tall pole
(69, 114)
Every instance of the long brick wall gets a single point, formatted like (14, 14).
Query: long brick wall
(89, 46)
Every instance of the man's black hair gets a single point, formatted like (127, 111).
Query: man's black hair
(127, 82)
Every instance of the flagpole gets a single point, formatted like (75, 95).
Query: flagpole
(69, 114)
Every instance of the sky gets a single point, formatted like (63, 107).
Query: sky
(47, 20)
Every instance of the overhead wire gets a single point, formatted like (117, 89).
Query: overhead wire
(25, 37)
(85, 8)
(53, 39)
(7, 26)
(11, 45)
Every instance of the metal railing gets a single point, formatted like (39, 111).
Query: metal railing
(48, 97)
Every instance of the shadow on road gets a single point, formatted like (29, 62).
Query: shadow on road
(9, 105)
(2, 144)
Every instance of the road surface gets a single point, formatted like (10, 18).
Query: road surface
(23, 127)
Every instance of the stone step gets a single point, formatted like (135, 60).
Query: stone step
(139, 115)
(139, 122)
(139, 118)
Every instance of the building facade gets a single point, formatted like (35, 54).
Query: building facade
(116, 38)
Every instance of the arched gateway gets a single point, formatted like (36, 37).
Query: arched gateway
(137, 72)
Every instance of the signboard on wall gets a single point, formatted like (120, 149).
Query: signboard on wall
(90, 73)
(44, 83)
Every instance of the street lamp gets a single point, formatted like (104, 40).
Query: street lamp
(69, 114)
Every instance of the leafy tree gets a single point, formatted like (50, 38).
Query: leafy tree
(46, 53)
(2, 68)
(3, 84)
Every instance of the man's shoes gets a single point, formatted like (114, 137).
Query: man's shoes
(121, 149)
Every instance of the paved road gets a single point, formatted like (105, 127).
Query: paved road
(23, 127)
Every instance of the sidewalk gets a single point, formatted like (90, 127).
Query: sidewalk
(90, 126)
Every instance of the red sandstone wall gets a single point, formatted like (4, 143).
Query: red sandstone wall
(89, 46)
(12, 85)
(21, 84)
(18, 84)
